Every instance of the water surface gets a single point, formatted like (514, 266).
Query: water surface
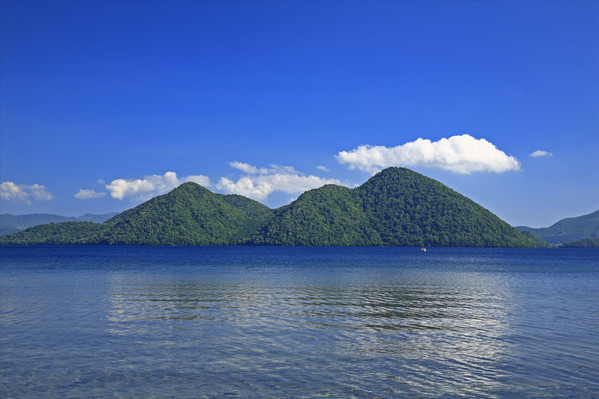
(89, 321)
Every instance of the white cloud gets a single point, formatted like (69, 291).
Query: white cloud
(459, 154)
(151, 185)
(259, 183)
(541, 153)
(23, 193)
(245, 167)
(86, 194)
(323, 168)
(199, 179)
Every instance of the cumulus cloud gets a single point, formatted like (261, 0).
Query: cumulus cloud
(24, 193)
(199, 179)
(86, 194)
(541, 153)
(151, 185)
(459, 154)
(259, 183)
(323, 168)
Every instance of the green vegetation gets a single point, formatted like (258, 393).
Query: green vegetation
(539, 242)
(397, 207)
(328, 216)
(570, 229)
(188, 215)
(409, 209)
(257, 215)
(55, 233)
(584, 243)
(10, 224)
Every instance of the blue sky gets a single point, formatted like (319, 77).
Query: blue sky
(104, 103)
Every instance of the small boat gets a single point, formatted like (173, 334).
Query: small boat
(422, 249)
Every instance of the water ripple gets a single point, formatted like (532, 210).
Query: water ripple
(270, 328)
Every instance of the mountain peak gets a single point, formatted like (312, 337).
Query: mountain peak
(396, 207)
(190, 186)
(397, 173)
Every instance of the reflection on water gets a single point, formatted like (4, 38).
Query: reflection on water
(260, 325)
(430, 333)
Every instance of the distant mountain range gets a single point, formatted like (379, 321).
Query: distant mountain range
(570, 229)
(396, 207)
(584, 243)
(10, 224)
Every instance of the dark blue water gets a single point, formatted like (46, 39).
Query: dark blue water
(192, 322)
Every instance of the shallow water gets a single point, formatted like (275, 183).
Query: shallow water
(298, 322)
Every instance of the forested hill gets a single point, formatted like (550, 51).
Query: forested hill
(13, 223)
(396, 207)
(570, 229)
(188, 215)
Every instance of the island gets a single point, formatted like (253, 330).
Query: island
(395, 207)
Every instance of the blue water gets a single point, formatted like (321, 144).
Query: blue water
(194, 322)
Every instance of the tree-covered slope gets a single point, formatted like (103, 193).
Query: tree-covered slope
(10, 224)
(257, 215)
(328, 216)
(570, 229)
(396, 207)
(188, 215)
(56, 233)
(538, 241)
(409, 209)
(584, 243)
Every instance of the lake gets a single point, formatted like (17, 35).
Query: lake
(203, 322)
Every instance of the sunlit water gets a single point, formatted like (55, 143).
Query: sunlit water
(83, 322)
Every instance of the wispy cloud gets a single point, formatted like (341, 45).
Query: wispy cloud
(540, 153)
(323, 168)
(259, 183)
(462, 154)
(87, 194)
(246, 167)
(151, 185)
(23, 193)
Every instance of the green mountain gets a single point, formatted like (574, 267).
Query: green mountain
(10, 224)
(328, 216)
(570, 229)
(584, 243)
(396, 207)
(56, 233)
(538, 241)
(188, 215)
(408, 208)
